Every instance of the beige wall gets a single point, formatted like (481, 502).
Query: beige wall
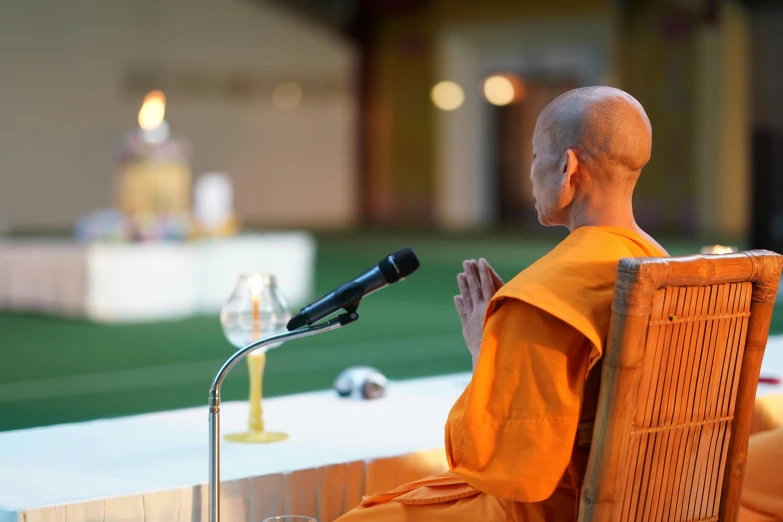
(723, 116)
(65, 101)
(577, 46)
(411, 178)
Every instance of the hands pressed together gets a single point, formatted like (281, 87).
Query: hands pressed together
(477, 284)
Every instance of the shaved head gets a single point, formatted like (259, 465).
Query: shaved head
(589, 147)
(606, 127)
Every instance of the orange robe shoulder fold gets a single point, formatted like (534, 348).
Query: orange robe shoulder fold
(511, 437)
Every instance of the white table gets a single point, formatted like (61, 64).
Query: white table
(772, 365)
(153, 468)
(134, 282)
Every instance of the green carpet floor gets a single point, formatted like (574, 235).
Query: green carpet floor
(56, 371)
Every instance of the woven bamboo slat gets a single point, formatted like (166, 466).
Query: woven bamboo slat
(678, 383)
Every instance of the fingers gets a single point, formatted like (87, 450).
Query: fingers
(496, 280)
(487, 284)
(464, 291)
(460, 304)
(477, 284)
(474, 283)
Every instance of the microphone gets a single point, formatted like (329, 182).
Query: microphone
(390, 269)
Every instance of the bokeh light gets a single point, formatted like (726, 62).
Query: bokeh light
(287, 96)
(503, 89)
(447, 96)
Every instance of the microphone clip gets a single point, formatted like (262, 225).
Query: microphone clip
(349, 316)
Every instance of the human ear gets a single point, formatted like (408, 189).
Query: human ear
(568, 167)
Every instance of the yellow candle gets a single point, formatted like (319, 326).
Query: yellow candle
(256, 320)
(255, 364)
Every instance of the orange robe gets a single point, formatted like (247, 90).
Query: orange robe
(762, 489)
(513, 439)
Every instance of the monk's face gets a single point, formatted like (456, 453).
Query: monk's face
(546, 177)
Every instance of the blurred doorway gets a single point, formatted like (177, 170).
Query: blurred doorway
(511, 151)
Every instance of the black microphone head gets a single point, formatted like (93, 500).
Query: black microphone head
(406, 261)
(398, 265)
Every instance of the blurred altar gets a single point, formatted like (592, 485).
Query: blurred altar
(156, 255)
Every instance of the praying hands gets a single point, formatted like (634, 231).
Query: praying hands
(477, 284)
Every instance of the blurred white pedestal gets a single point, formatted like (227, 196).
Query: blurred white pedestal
(147, 281)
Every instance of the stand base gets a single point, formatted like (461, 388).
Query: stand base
(256, 436)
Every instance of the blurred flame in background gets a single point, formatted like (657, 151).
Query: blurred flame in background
(152, 111)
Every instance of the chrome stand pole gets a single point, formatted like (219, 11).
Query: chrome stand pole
(214, 397)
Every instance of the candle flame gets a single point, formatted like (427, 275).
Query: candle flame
(256, 285)
(718, 249)
(152, 111)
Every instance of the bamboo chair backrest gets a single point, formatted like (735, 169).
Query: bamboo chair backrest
(678, 384)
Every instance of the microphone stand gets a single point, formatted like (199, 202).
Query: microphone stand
(214, 395)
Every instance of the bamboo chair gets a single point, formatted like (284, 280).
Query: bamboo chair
(678, 384)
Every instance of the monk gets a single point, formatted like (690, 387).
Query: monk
(518, 438)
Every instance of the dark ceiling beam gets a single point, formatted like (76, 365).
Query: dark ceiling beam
(336, 15)
(350, 18)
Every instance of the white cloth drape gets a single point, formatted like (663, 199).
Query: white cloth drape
(148, 281)
(154, 467)
(324, 493)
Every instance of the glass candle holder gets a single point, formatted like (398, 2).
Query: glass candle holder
(255, 310)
